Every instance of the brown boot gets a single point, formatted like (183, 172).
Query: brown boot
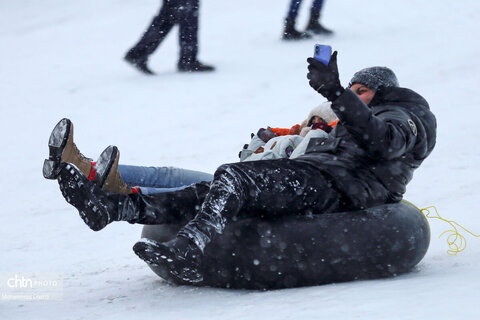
(63, 149)
(107, 175)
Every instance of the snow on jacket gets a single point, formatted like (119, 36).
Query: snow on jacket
(373, 151)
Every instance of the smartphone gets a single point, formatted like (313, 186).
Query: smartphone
(322, 53)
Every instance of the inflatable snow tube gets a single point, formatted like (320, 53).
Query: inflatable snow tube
(295, 251)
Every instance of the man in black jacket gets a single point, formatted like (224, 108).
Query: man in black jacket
(185, 13)
(384, 134)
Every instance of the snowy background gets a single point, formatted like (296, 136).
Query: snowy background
(64, 59)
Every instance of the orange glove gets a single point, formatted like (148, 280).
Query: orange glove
(285, 131)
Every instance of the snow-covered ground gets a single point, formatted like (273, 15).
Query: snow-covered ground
(64, 59)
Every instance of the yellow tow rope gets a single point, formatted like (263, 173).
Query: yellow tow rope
(456, 242)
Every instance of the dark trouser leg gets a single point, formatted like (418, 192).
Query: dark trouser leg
(289, 31)
(293, 9)
(187, 17)
(156, 32)
(270, 188)
(314, 24)
(164, 208)
(317, 6)
(98, 208)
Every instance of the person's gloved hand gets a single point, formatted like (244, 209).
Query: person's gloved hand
(324, 79)
(265, 134)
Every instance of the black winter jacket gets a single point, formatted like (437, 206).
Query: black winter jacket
(371, 154)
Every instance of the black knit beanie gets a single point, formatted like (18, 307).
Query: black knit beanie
(374, 77)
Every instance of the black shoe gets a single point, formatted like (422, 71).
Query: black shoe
(180, 256)
(63, 149)
(290, 33)
(139, 64)
(316, 28)
(314, 25)
(95, 208)
(194, 66)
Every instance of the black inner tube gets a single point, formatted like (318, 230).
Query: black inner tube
(295, 251)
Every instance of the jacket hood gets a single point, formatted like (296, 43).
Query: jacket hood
(392, 95)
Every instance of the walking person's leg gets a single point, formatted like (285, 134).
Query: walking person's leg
(289, 31)
(314, 24)
(187, 16)
(293, 9)
(317, 5)
(158, 29)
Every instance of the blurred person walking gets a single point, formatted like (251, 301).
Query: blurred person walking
(185, 13)
(313, 27)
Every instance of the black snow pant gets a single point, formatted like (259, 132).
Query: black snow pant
(264, 188)
(182, 12)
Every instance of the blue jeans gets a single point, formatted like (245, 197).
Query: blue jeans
(160, 179)
(295, 6)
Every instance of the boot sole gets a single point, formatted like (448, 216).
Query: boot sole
(56, 144)
(78, 191)
(158, 255)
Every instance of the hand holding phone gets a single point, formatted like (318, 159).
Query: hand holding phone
(322, 53)
(323, 74)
